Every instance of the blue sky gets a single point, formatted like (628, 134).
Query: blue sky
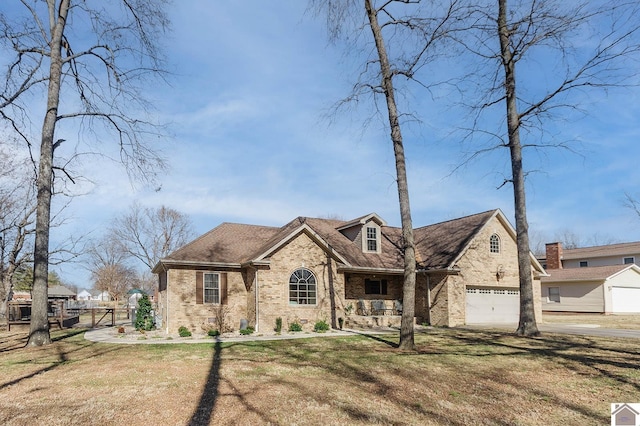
(250, 142)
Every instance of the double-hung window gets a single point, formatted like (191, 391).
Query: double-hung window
(554, 294)
(211, 288)
(372, 239)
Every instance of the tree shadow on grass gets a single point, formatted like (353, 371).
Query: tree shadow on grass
(62, 357)
(209, 397)
(18, 340)
(573, 352)
(379, 338)
(203, 414)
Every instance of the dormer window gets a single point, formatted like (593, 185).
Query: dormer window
(372, 239)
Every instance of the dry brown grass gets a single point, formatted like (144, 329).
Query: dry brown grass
(456, 377)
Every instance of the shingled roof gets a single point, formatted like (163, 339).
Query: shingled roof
(620, 249)
(591, 273)
(438, 246)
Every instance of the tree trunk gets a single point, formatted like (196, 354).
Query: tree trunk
(409, 287)
(39, 333)
(527, 325)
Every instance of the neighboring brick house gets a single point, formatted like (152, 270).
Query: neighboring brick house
(602, 279)
(313, 269)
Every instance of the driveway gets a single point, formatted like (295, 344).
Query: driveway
(577, 329)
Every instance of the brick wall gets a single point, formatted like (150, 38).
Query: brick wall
(554, 255)
(273, 286)
(179, 303)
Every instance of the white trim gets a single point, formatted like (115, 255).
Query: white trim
(365, 237)
(362, 221)
(633, 266)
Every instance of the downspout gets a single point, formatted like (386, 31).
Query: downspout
(167, 293)
(257, 299)
(428, 299)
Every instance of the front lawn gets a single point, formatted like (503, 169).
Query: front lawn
(457, 377)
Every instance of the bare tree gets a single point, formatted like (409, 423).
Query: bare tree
(109, 268)
(17, 221)
(149, 234)
(553, 29)
(87, 61)
(418, 37)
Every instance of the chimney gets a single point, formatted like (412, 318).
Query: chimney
(554, 255)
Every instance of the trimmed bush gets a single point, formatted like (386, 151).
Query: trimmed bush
(213, 333)
(247, 331)
(321, 326)
(184, 331)
(278, 328)
(295, 326)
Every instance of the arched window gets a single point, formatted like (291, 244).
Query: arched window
(302, 287)
(494, 244)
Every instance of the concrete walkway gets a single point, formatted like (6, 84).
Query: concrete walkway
(111, 335)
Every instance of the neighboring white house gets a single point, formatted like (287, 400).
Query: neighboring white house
(84, 295)
(101, 296)
(613, 287)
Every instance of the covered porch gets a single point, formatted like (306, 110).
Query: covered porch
(373, 300)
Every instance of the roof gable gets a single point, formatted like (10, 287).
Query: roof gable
(286, 235)
(440, 245)
(363, 220)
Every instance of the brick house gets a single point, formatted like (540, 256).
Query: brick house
(311, 269)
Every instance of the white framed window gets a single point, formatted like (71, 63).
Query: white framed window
(629, 260)
(302, 287)
(494, 243)
(371, 239)
(211, 288)
(554, 295)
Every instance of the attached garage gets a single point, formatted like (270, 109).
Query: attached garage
(625, 300)
(492, 305)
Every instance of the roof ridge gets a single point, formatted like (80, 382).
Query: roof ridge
(603, 246)
(493, 211)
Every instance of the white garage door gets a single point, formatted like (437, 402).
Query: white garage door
(487, 305)
(625, 300)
